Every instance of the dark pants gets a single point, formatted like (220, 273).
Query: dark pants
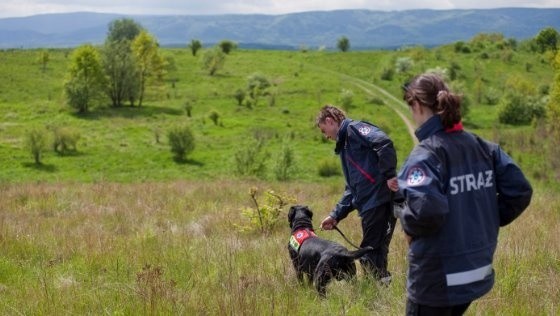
(413, 309)
(378, 225)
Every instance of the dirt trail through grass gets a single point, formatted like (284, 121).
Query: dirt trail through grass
(394, 103)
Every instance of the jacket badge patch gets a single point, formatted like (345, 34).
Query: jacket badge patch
(364, 130)
(416, 176)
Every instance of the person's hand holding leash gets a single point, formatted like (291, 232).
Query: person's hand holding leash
(393, 184)
(328, 223)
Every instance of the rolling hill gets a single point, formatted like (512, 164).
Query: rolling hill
(364, 28)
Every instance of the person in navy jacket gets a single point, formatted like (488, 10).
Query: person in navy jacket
(369, 166)
(459, 190)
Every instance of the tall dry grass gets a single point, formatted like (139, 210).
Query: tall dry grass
(172, 249)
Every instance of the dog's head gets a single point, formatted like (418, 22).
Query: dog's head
(300, 216)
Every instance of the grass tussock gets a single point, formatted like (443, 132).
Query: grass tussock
(172, 248)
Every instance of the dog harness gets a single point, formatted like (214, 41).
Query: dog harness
(299, 236)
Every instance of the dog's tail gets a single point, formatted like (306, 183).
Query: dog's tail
(356, 254)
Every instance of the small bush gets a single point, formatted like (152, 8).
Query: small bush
(329, 168)
(239, 96)
(388, 74)
(36, 141)
(65, 140)
(266, 216)
(376, 100)
(181, 140)
(516, 109)
(214, 116)
(492, 96)
(285, 163)
(188, 108)
(250, 160)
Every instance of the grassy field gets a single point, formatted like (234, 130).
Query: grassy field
(172, 248)
(120, 228)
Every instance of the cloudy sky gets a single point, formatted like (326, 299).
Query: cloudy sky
(16, 8)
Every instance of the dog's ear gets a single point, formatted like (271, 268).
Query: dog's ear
(308, 212)
(291, 214)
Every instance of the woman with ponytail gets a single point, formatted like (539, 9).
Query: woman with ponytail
(459, 190)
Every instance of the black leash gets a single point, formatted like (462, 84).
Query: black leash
(345, 238)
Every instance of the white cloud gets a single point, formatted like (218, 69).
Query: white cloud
(31, 7)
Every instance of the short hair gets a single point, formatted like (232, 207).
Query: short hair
(330, 111)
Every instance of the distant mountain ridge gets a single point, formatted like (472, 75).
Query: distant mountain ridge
(364, 28)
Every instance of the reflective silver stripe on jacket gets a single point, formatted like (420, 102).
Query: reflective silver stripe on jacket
(470, 276)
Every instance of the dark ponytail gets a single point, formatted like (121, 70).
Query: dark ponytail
(430, 91)
(449, 106)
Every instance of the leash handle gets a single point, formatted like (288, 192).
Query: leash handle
(345, 238)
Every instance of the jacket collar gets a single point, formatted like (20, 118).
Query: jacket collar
(429, 128)
(341, 136)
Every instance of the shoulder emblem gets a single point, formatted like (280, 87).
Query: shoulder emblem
(364, 130)
(416, 176)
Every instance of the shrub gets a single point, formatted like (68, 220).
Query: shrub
(404, 64)
(239, 96)
(388, 74)
(257, 83)
(214, 116)
(328, 168)
(181, 140)
(492, 96)
(36, 142)
(265, 217)
(285, 163)
(188, 108)
(213, 60)
(250, 160)
(517, 109)
(65, 140)
(376, 100)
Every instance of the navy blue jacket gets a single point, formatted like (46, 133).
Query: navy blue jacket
(368, 161)
(460, 189)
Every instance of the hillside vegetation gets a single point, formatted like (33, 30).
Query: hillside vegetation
(118, 226)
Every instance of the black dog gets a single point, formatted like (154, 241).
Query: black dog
(319, 259)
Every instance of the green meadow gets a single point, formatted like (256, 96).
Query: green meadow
(119, 227)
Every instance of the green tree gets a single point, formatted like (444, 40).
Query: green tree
(227, 46)
(213, 60)
(149, 62)
(123, 29)
(343, 44)
(195, 46)
(85, 81)
(122, 72)
(547, 39)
